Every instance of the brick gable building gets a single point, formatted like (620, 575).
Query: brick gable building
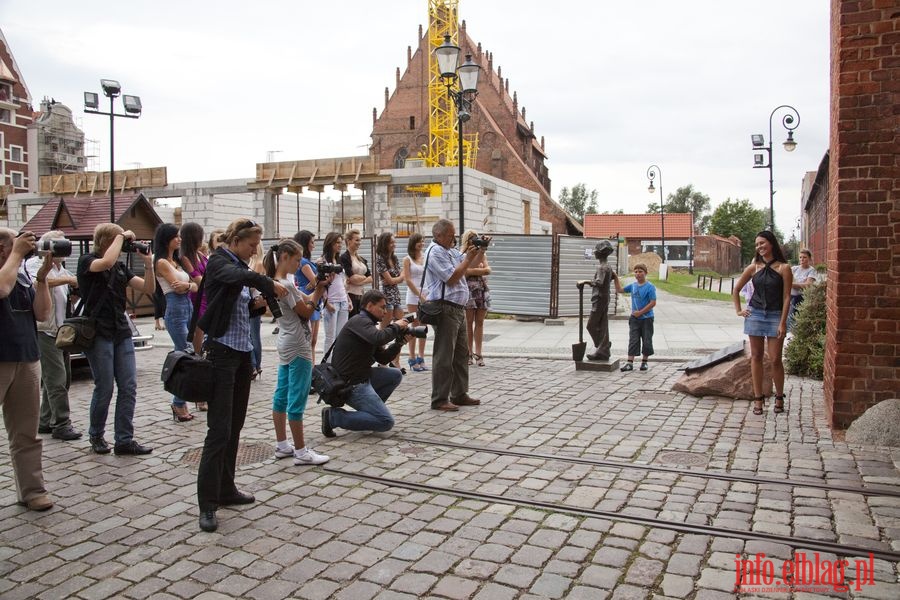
(15, 117)
(508, 147)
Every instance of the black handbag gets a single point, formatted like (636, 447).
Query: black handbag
(328, 383)
(188, 375)
(76, 334)
(430, 311)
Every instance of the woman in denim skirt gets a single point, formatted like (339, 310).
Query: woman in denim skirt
(765, 318)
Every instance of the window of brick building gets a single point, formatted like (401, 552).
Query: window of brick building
(17, 179)
(412, 122)
(15, 153)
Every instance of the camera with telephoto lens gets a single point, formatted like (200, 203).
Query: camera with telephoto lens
(326, 269)
(420, 332)
(274, 307)
(481, 242)
(133, 246)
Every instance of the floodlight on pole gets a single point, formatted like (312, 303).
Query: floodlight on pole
(790, 121)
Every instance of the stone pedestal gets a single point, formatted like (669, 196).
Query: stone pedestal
(605, 366)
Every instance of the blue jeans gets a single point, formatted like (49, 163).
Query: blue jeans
(255, 337)
(113, 362)
(369, 399)
(177, 319)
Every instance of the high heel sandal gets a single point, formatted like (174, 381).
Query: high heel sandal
(180, 417)
(758, 405)
(479, 360)
(779, 404)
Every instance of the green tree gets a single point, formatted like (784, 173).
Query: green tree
(740, 219)
(578, 201)
(686, 199)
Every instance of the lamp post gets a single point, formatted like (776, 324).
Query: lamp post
(652, 173)
(466, 75)
(132, 104)
(790, 121)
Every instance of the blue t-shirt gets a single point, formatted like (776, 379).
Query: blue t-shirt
(641, 296)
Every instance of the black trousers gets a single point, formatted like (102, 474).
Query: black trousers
(355, 300)
(640, 336)
(225, 419)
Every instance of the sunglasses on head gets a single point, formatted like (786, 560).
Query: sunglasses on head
(248, 224)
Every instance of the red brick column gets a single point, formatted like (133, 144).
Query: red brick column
(862, 355)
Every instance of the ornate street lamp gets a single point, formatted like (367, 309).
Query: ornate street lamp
(112, 89)
(790, 121)
(466, 75)
(652, 173)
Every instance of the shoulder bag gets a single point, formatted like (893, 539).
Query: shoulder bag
(188, 375)
(77, 333)
(328, 383)
(430, 311)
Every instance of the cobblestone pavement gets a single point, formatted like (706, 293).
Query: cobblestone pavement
(553, 443)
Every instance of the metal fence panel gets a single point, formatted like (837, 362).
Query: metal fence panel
(577, 262)
(520, 279)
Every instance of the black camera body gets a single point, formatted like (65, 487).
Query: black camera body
(274, 307)
(481, 242)
(133, 246)
(420, 332)
(326, 269)
(58, 248)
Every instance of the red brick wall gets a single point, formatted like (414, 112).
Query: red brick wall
(14, 133)
(862, 355)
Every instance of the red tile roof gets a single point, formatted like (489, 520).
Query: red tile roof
(646, 226)
(86, 213)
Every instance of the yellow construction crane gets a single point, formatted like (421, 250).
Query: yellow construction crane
(443, 145)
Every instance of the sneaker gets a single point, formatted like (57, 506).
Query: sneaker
(284, 453)
(66, 433)
(327, 431)
(99, 445)
(132, 448)
(644, 366)
(627, 367)
(308, 456)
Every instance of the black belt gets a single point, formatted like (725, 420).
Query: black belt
(453, 304)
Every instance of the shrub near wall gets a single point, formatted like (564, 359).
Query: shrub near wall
(805, 354)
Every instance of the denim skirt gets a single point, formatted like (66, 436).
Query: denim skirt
(762, 323)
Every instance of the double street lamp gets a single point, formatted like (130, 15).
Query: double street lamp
(466, 75)
(790, 121)
(652, 173)
(112, 89)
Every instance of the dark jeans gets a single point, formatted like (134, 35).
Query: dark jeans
(369, 400)
(225, 419)
(113, 363)
(640, 336)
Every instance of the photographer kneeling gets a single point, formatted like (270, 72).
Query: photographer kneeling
(359, 344)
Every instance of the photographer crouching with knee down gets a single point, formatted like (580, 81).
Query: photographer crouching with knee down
(23, 302)
(359, 344)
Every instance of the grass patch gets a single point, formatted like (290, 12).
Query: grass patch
(685, 285)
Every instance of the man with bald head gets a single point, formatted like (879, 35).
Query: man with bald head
(23, 302)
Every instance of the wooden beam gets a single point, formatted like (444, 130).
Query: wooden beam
(293, 170)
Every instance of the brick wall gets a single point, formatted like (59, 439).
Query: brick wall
(862, 357)
(507, 149)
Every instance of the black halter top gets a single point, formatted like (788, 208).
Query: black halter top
(768, 289)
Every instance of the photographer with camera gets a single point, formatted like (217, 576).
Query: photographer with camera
(23, 301)
(54, 362)
(359, 344)
(229, 347)
(103, 280)
(445, 271)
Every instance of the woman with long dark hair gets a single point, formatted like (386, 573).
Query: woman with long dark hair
(193, 261)
(305, 280)
(391, 275)
(337, 301)
(227, 326)
(479, 299)
(175, 284)
(765, 318)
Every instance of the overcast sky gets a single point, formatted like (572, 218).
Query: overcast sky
(612, 87)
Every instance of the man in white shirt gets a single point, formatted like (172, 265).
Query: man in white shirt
(54, 417)
(804, 277)
(445, 281)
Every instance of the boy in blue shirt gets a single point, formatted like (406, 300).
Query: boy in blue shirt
(640, 324)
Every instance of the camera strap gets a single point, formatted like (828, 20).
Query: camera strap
(425, 273)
